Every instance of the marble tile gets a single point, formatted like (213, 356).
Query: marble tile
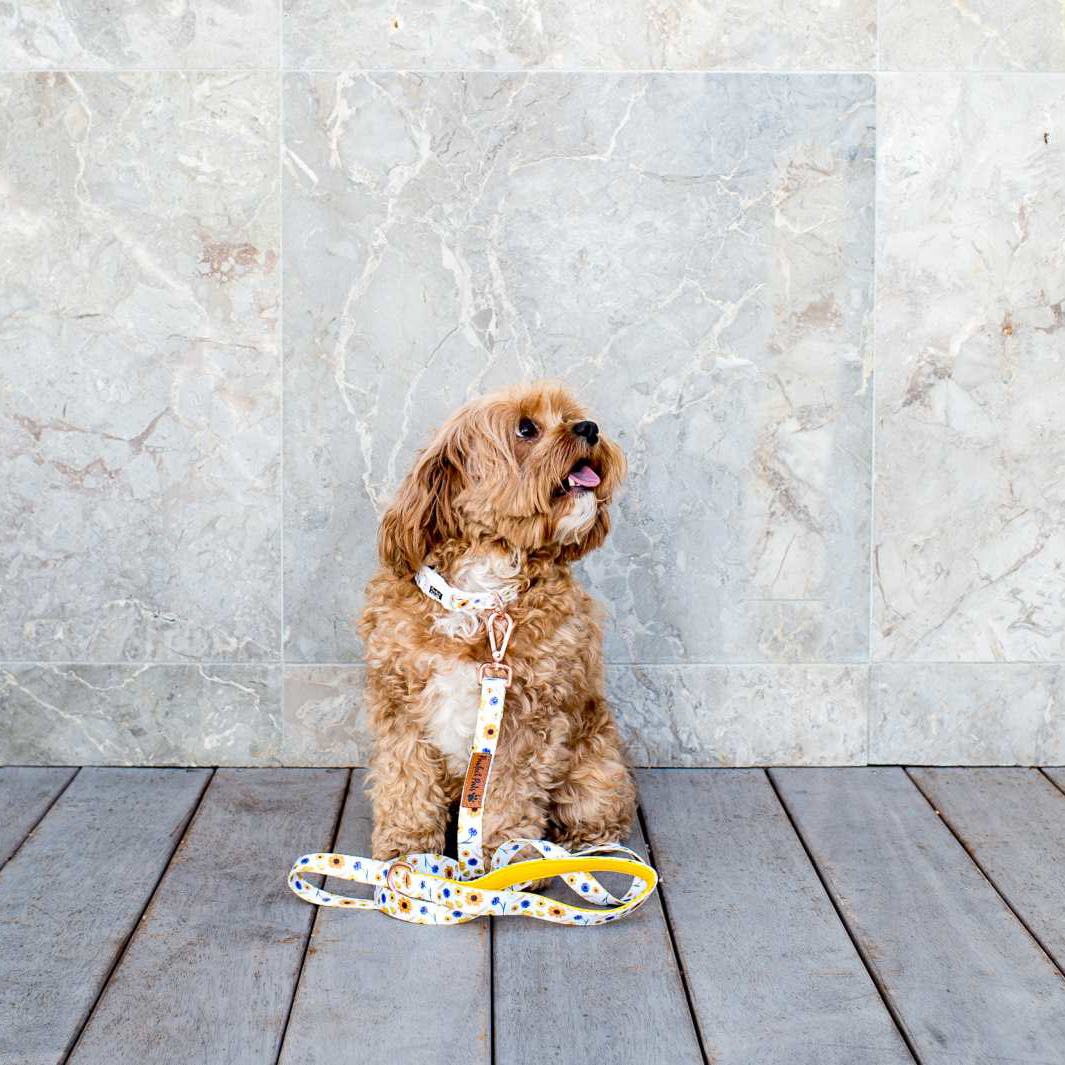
(582, 34)
(970, 445)
(140, 715)
(972, 35)
(742, 715)
(967, 714)
(139, 386)
(148, 34)
(692, 254)
(323, 718)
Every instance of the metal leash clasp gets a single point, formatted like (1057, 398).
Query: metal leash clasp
(499, 625)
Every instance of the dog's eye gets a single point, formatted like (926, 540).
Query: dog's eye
(527, 429)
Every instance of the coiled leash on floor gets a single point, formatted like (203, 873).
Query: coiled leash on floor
(433, 889)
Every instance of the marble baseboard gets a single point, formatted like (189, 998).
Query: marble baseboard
(741, 715)
(967, 713)
(245, 715)
(324, 720)
(925, 713)
(669, 715)
(140, 715)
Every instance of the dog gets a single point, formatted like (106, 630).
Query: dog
(511, 491)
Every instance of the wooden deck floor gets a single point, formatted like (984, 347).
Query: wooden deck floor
(821, 916)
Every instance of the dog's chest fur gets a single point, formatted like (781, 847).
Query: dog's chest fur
(453, 692)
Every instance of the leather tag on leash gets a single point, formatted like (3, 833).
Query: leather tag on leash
(476, 780)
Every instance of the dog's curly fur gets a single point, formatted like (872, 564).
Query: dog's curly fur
(488, 508)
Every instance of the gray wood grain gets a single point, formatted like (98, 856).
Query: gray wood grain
(71, 895)
(392, 990)
(774, 977)
(968, 982)
(26, 792)
(1012, 821)
(611, 993)
(209, 975)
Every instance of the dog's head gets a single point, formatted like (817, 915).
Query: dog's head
(526, 468)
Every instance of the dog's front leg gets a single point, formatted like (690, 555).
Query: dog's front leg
(408, 788)
(595, 800)
(516, 804)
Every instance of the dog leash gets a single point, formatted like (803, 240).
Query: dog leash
(434, 889)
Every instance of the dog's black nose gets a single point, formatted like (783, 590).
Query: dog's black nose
(589, 430)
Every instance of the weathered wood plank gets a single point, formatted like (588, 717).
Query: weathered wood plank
(773, 976)
(966, 979)
(611, 993)
(209, 975)
(26, 792)
(392, 990)
(71, 895)
(1012, 821)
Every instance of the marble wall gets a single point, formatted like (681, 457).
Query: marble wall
(804, 260)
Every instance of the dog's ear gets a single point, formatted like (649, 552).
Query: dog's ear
(422, 514)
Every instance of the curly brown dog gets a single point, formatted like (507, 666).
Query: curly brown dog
(510, 492)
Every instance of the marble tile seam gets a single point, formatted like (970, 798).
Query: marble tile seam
(553, 71)
(618, 664)
(281, 632)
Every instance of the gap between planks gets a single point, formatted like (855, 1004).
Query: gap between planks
(314, 923)
(956, 833)
(866, 961)
(121, 952)
(678, 960)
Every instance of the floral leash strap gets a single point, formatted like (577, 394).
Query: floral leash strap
(433, 889)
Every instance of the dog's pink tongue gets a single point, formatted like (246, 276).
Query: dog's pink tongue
(586, 477)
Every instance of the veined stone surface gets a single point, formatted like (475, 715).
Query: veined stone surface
(139, 383)
(140, 715)
(324, 721)
(97, 35)
(548, 190)
(970, 437)
(972, 35)
(583, 34)
(692, 254)
(741, 715)
(977, 713)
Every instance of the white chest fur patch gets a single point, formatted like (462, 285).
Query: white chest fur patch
(452, 697)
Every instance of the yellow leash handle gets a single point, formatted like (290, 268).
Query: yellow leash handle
(541, 868)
